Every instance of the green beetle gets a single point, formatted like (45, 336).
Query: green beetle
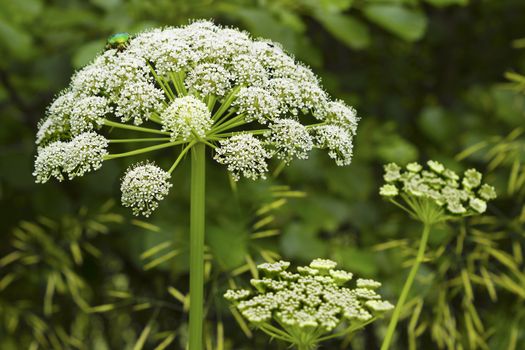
(118, 41)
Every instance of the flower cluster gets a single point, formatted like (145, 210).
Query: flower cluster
(84, 153)
(244, 155)
(143, 186)
(310, 303)
(186, 116)
(439, 185)
(245, 97)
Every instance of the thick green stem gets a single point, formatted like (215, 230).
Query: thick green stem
(198, 172)
(406, 288)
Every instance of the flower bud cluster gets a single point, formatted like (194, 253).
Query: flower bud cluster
(316, 299)
(442, 186)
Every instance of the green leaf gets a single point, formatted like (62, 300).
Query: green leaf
(263, 23)
(443, 3)
(87, 52)
(394, 148)
(20, 11)
(408, 24)
(436, 124)
(347, 29)
(356, 260)
(228, 245)
(299, 243)
(330, 5)
(17, 42)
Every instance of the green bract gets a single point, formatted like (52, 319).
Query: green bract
(310, 306)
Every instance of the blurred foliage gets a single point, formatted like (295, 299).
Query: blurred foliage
(427, 77)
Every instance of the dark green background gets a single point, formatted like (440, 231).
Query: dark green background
(427, 79)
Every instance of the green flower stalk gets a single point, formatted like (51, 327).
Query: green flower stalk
(431, 196)
(191, 88)
(310, 306)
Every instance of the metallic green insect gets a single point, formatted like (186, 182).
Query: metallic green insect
(118, 41)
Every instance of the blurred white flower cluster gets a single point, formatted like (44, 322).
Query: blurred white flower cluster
(247, 98)
(309, 304)
(441, 186)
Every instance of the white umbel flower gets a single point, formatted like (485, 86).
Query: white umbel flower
(273, 58)
(49, 162)
(164, 49)
(209, 79)
(248, 71)
(244, 155)
(290, 139)
(337, 140)
(257, 103)
(180, 77)
(288, 93)
(56, 124)
(186, 116)
(143, 186)
(339, 113)
(137, 101)
(85, 153)
(87, 114)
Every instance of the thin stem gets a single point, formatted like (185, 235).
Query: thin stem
(278, 331)
(233, 133)
(145, 139)
(316, 124)
(181, 155)
(225, 122)
(224, 116)
(143, 150)
(409, 211)
(210, 101)
(230, 124)
(154, 117)
(348, 330)
(274, 334)
(197, 211)
(178, 82)
(406, 288)
(133, 127)
(279, 169)
(208, 143)
(165, 87)
(227, 103)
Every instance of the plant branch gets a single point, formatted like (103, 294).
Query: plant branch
(406, 288)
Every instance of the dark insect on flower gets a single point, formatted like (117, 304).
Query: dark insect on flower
(118, 41)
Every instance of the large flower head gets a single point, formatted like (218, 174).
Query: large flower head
(245, 98)
(310, 303)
